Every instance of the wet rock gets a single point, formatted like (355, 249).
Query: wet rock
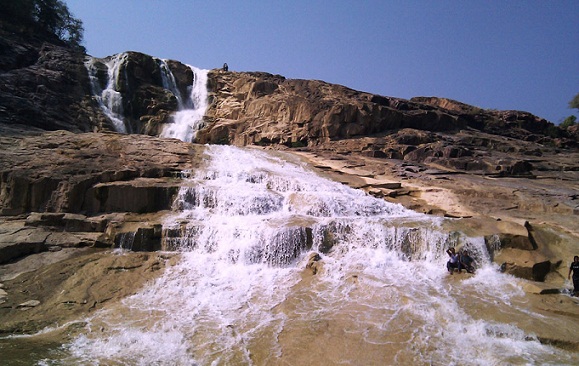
(143, 239)
(70, 289)
(313, 263)
(530, 265)
(328, 239)
(540, 270)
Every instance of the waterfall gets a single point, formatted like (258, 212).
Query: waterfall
(191, 108)
(108, 97)
(169, 82)
(245, 226)
(273, 212)
(189, 118)
(125, 240)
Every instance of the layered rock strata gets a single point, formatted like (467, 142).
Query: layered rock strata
(84, 185)
(64, 195)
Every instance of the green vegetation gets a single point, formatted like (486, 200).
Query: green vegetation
(574, 103)
(224, 140)
(51, 16)
(553, 131)
(571, 120)
(298, 144)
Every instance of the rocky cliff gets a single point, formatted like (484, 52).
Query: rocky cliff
(260, 108)
(67, 180)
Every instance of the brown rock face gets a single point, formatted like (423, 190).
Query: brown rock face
(62, 190)
(90, 173)
(84, 185)
(260, 108)
(516, 124)
(146, 101)
(44, 85)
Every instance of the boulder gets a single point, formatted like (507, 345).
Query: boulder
(520, 258)
(516, 241)
(314, 264)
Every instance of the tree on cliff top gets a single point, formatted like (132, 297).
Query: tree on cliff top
(574, 103)
(50, 16)
(571, 120)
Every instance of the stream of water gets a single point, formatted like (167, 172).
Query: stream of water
(245, 226)
(240, 295)
(109, 97)
(184, 123)
(189, 118)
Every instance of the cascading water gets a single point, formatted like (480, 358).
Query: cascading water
(191, 108)
(240, 295)
(189, 118)
(109, 97)
(169, 82)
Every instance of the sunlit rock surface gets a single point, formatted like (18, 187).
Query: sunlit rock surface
(84, 215)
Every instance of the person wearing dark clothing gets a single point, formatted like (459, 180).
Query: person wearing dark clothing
(575, 269)
(466, 262)
(453, 262)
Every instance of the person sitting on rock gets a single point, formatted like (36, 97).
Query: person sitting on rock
(453, 262)
(575, 269)
(225, 67)
(466, 262)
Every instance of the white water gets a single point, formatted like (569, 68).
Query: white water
(239, 296)
(191, 108)
(109, 98)
(169, 82)
(189, 118)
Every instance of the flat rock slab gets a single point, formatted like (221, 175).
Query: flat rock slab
(22, 242)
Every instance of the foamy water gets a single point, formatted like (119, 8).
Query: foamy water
(109, 98)
(183, 124)
(189, 118)
(240, 294)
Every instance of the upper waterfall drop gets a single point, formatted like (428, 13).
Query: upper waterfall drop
(110, 85)
(169, 81)
(189, 118)
(109, 98)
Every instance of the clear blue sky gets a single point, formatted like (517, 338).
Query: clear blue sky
(501, 54)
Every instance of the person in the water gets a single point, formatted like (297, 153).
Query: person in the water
(466, 262)
(453, 262)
